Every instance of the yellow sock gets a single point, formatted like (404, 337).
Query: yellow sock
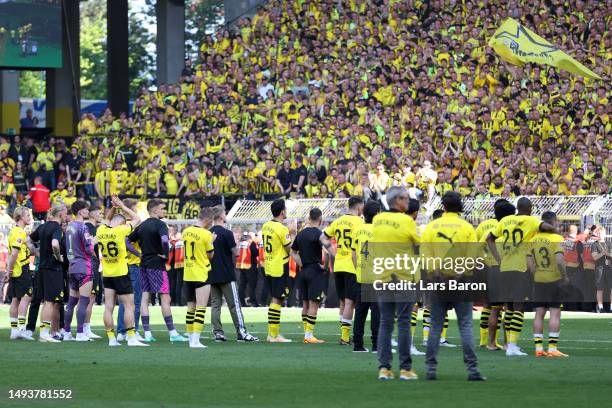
(309, 324)
(413, 322)
(513, 337)
(198, 319)
(507, 320)
(189, 320)
(305, 322)
(484, 326)
(445, 328)
(274, 314)
(516, 326)
(110, 333)
(312, 320)
(131, 332)
(538, 341)
(553, 341)
(426, 323)
(346, 330)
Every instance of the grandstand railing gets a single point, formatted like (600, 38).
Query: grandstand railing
(580, 210)
(258, 212)
(572, 208)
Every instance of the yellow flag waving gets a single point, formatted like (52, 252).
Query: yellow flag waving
(518, 45)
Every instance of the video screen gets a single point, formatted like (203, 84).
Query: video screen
(31, 33)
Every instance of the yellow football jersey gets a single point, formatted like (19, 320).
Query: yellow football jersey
(362, 236)
(543, 248)
(342, 229)
(17, 239)
(198, 243)
(449, 236)
(394, 233)
(482, 232)
(275, 237)
(509, 234)
(111, 242)
(131, 258)
(394, 226)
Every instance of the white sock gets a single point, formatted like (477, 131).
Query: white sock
(308, 335)
(148, 334)
(173, 332)
(86, 328)
(44, 332)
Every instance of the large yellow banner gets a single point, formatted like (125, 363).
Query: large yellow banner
(518, 45)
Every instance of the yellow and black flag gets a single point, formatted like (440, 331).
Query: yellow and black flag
(518, 45)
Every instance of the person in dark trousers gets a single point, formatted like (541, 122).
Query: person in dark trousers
(176, 265)
(264, 290)
(434, 244)
(49, 237)
(396, 226)
(37, 295)
(246, 263)
(363, 235)
(222, 280)
(307, 251)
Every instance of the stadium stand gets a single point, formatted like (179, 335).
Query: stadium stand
(326, 99)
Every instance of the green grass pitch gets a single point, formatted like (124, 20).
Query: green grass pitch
(297, 375)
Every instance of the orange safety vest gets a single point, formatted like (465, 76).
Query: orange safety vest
(177, 255)
(292, 267)
(260, 247)
(243, 261)
(570, 253)
(587, 257)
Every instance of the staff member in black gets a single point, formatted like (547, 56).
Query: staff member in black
(50, 273)
(222, 280)
(307, 251)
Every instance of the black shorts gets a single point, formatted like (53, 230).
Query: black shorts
(495, 292)
(279, 286)
(347, 286)
(547, 294)
(514, 286)
(189, 290)
(22, 285)
(312, 282)
(603, 277)
(53, 284)
(122, 285)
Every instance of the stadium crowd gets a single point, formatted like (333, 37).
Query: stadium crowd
(337, 98)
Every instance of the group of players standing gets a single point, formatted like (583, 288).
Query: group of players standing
(122, 243)
(519, 275)
(132, 256)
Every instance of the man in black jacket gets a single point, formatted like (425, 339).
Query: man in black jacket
(222, 280)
